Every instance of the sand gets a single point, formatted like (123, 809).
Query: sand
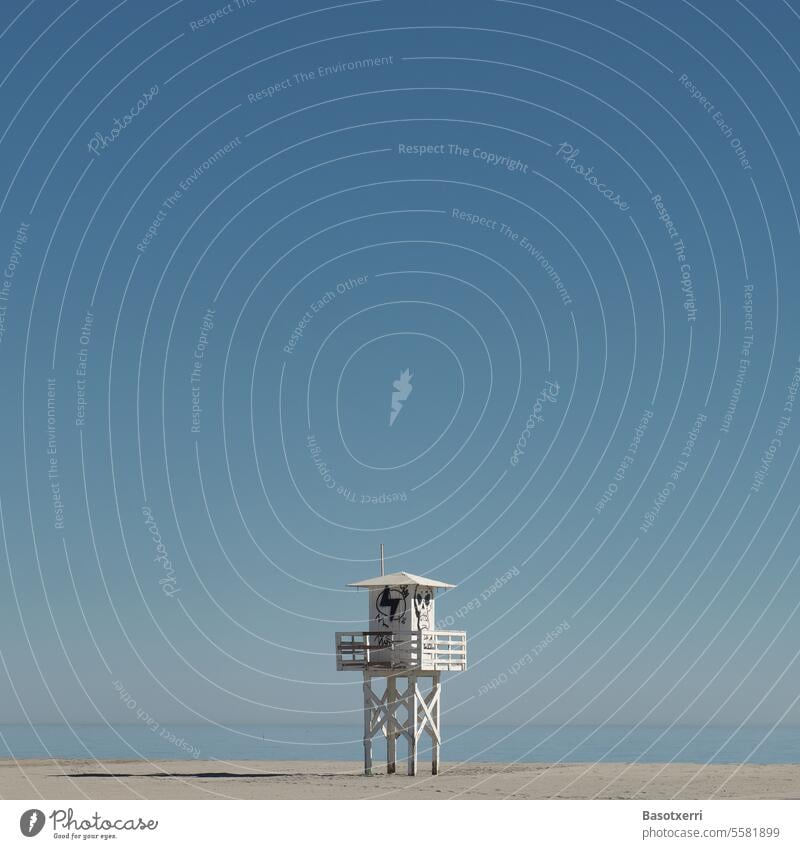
(78, 779)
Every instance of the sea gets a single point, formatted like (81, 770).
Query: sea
(481, 743)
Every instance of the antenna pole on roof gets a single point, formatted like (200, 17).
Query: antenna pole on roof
(382, 572)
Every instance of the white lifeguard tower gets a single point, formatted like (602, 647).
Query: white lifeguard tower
(401, 645)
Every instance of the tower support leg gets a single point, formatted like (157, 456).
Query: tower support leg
(412, 708)
(391, 724)
(436, 735)
(367, 725)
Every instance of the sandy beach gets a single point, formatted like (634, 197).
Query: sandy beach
(181, 779)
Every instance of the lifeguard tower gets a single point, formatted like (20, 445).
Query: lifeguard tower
(404, 647)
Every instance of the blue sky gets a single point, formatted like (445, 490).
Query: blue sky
(575, 227)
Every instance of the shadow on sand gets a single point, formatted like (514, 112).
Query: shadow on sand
(174, 775)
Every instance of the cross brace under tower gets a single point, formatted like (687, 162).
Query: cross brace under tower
(422, 714)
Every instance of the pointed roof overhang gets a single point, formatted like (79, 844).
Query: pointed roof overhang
(396, 578)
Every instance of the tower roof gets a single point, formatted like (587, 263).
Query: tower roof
(396, 578)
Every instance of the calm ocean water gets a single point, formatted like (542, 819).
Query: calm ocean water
(337, 742)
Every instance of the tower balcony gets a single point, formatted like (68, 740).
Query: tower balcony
(385, 652)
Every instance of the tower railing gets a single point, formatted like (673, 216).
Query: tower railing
(412, 650)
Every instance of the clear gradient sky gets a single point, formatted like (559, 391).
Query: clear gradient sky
(574, 224)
